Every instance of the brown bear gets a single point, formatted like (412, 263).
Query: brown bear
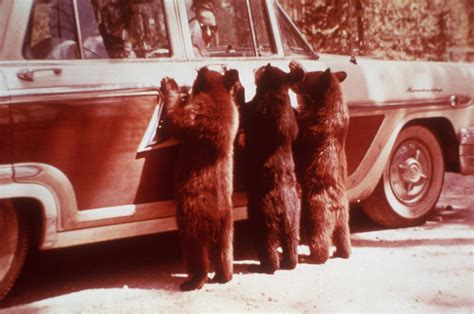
(270, 127)
(321, 165)
(206, 122)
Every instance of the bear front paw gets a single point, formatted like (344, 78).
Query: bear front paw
(168, 84)
(294, 65)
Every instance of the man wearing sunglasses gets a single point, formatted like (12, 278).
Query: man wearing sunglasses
(203, 26)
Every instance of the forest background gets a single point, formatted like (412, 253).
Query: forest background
(435, 30)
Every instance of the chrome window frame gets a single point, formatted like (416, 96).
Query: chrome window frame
(276, 28)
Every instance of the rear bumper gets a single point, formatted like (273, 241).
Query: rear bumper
(466, 151)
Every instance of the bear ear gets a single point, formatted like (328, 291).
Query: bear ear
(326, 76)
(230, 78)
(201, 80)
(202, 72)
(341, 76)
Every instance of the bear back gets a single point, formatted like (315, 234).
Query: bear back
(322, 107)
(268, 119)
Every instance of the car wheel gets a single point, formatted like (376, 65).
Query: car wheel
(411, 182)
(13, 248)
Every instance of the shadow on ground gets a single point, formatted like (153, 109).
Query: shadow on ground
(131, 262)
(154, 262)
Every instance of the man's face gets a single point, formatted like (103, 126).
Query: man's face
(208, 24)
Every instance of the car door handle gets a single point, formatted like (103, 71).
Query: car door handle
(28, 74)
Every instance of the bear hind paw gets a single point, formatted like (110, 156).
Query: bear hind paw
(343, 253)
(196, 282)
(221, 278)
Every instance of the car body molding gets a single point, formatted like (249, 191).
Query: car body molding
(38, 181)
(58, 186)
(462, 101)
(81, 92)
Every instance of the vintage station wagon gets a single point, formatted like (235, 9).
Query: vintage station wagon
(83, 156)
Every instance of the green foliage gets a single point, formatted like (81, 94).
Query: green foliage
(409, 31)
(326, 24)
(385, 29)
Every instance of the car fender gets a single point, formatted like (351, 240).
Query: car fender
(50, 187)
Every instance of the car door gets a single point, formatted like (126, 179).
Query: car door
(85, 108)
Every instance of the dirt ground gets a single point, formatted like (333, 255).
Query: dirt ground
(429, 268)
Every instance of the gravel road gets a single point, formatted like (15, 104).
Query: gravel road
(429, 268)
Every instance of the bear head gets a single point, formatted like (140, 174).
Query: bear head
(271, 78)
(207, 80)
(316, 85)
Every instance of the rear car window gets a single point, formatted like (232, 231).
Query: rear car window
(106, 29)
(51, 32)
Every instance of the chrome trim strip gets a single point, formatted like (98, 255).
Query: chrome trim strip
(124, 230)
(464, 101)
(169, 33)
(252, 28)
(275, 30)
(58, 186)
(151, 130)
(94, 215)
(297, 30)
(6, 173)
(81, 92)
(182, 15)
(78, 29)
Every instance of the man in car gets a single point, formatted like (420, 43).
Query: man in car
(203, 27)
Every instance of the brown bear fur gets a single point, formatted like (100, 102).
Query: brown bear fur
(321, 164)
(270, 128)
(206, 122)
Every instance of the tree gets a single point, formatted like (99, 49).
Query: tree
(400, 30)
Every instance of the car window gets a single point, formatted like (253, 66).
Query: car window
(262, 30)
(123, 29)
(109, 29)
(51, 32)
(293, 43)
(220, 28)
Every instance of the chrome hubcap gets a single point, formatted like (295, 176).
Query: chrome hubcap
(410, 172)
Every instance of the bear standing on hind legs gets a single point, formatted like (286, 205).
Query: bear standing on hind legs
(270, 128)
(321, 164)
(206, 123)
